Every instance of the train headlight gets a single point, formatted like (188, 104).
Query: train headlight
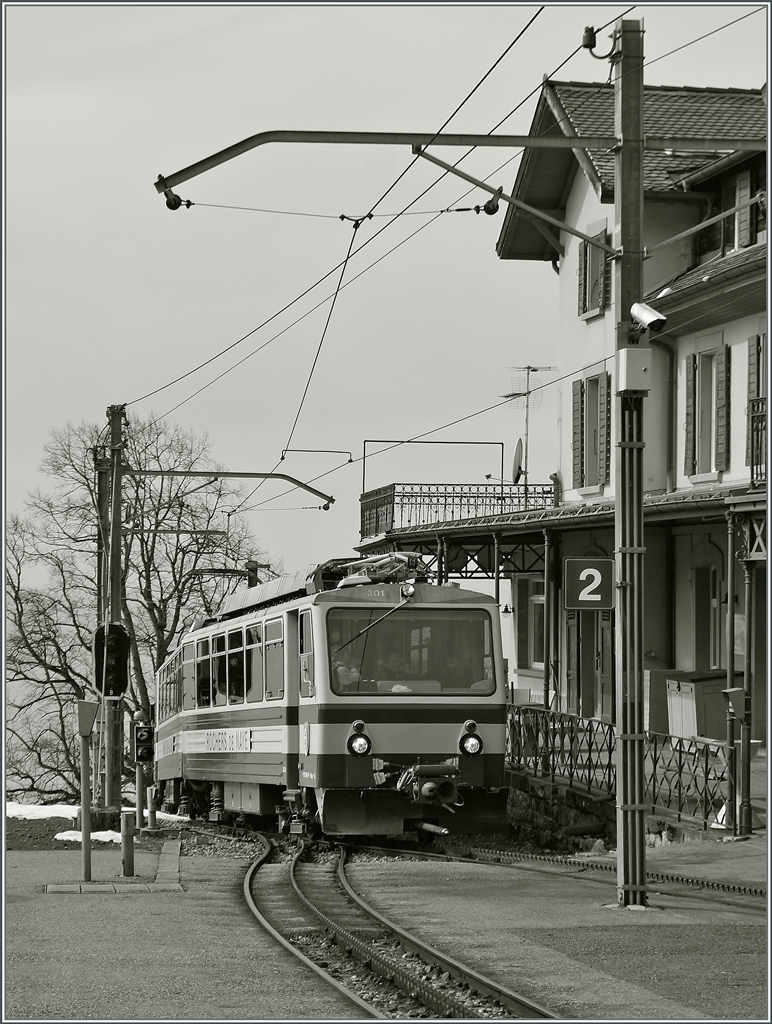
(407, 590)
(359, 744)
(470, 744)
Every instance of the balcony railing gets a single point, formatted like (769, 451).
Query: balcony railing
(401, 506)
(757, 417)
(687, 777)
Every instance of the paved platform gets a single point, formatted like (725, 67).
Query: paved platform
(147, 948)
(176, 942)
(556, 934)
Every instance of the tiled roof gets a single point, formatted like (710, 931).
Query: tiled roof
(667, 111)
(736, 264)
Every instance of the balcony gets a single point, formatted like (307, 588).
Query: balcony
(412, 506)
(757, 424)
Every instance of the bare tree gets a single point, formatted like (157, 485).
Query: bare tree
(174, 529)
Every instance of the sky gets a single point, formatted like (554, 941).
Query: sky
(110, 297)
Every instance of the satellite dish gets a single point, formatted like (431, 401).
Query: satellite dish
(517, 462)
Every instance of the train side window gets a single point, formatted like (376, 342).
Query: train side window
(274, 660)
(160, 691)
(254, 663)
(188, 678)
(306, 654)
(177, 692)
(236, 667)
(219, 680)
(203, 674)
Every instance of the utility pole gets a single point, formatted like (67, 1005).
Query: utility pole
(627, 62)
(113, 707)
(102, 467)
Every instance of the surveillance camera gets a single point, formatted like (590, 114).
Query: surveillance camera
(648, 318)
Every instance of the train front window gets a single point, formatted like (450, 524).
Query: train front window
(414, 651)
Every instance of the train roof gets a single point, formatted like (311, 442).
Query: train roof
(336, 578)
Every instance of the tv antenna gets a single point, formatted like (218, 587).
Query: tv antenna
(522, 388)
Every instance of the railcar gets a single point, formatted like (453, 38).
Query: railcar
(357, 698)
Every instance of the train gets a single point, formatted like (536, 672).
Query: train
(354, 698)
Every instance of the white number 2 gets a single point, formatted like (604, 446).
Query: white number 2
(587, 593)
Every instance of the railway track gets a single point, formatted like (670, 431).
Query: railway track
(310, 907)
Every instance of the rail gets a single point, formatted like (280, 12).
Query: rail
(692, 778)
(401, 506)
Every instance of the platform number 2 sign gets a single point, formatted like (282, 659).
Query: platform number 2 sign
(588, 583)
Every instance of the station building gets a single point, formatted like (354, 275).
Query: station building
(704, 465)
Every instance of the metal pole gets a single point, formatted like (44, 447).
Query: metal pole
(139, 785)
(127, 844)
(114, 730)
(627, 60)
(730, 819)
(730, 585)
(103, 525)
(85, 807)
(547, 618)
(496, 557)
(525, 454)
(151, 822)
(746, 814)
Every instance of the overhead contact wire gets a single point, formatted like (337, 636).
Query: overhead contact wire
(222, 352)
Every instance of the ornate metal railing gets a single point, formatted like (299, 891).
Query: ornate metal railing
(757, 416)
(400, 506)
(686, 777)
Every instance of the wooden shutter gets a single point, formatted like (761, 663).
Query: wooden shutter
(602, 262)
(577, 432)
(690, 450)
(581, 274)
(753, 390)
(722, 408)
(604, 410)
(743, 195)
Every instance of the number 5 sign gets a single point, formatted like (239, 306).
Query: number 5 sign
(588, 583)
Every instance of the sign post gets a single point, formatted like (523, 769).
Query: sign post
(87, 712)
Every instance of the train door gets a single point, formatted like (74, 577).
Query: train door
(304, 678)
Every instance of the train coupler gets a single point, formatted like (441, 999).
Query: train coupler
(431, 784)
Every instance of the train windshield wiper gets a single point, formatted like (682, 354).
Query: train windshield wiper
(370, 625)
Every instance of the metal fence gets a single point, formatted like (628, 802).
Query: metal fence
(692, 778)
(400, 506)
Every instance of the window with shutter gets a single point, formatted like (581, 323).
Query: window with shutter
(756, 409)
(689, 445)
(591, 425)
(722, 408)
(604, 424)
(577, 430)
(593, 274)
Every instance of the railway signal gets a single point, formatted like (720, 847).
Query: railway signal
(144, 743)
(111, 660)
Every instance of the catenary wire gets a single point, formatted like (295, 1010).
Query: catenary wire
(480, 412)
(182, 377)
(373, 237)
(404, 212)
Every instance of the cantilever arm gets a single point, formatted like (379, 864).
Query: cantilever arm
(215, 475)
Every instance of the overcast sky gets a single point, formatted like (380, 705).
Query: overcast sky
(110, 296)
